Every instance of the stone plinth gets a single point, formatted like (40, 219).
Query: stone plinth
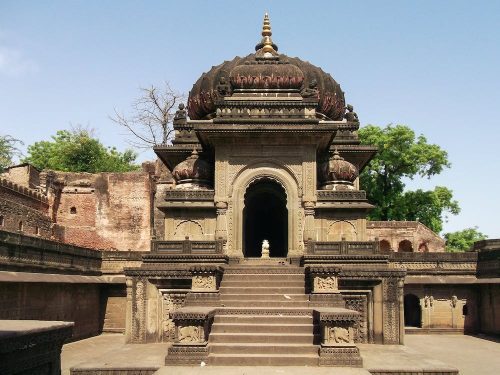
(32, 346)
(337, 329)
(192, 327)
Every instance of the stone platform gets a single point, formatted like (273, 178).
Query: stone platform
(109, 355)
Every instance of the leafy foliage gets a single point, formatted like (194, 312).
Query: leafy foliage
(78, 151)
(462, 240)
(8, 150)
(403, 155)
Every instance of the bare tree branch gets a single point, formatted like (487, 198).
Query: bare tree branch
(150, 121)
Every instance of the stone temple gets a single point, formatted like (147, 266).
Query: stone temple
(247, 243)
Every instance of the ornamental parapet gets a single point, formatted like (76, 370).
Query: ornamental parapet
(189, 195)
(20, 252)
(345, 195)
(23, 190)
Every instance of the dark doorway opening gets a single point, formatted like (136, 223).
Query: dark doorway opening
(265, 217)
(413, 312)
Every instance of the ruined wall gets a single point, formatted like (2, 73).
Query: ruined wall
(404, 236)
(77, 303)
(109, 211)
(23, 210)
(24, 175)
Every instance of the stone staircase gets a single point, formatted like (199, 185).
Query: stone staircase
(265, 319)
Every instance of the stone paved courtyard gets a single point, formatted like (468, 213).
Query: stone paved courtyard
(467, 353)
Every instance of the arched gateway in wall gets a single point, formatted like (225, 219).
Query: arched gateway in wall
(260, 184)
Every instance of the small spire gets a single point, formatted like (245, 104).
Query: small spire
(266, 44)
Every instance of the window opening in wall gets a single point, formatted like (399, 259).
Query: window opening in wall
(72, 210)
(20, 226)
(465, 310)
(37, 230)
(385, 246)
(1, 221)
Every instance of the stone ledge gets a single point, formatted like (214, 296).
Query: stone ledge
(30, 277)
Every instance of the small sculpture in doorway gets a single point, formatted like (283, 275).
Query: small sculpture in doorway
(265, 249)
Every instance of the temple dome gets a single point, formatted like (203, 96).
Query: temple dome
(337, 173)
(266, 70)
(192, 172)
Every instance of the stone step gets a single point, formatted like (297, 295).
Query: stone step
(256, 303)
(262, 360)
(264, 297)
(266, 311)
(263, 277)
(280, 338)
(262, 283)
(259, 348)
(264, 270)
(261, 328)
(261, 290)
(263, 319)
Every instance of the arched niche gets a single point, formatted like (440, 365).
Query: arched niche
(188, 228)
(342, 229)
(405, 246)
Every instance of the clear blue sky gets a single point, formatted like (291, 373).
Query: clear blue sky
(432, 65)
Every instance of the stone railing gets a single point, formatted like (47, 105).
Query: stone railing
(192, 328)
(33, 254)
(488, 258)
(187, 247)
(113, 262)
(342, 248)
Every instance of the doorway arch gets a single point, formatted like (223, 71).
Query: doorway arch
(413, 311)
(265, 216)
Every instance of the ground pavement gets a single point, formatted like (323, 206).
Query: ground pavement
(467, 353)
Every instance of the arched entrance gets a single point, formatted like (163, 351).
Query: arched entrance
(413, 311)
(265, 216)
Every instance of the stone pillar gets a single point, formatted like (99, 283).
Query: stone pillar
(128, 311)
(221, 221)
(309, 228)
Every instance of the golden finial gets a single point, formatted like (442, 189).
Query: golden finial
(267, 43)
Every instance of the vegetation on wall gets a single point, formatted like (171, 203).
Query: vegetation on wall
(463, 240)
(8, 150)
(78, 150)
(401, 154)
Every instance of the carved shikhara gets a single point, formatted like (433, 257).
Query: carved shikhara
(326, 284)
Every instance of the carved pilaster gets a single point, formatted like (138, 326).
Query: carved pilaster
(221, 221)
(139, 311)
(310, 230)
(391, 310)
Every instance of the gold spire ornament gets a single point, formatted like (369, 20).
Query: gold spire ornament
(266, 48)
(266, 35)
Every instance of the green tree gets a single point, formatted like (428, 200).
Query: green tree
(401, 154)
(463, 240)
(79, 151)
(8, 150)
